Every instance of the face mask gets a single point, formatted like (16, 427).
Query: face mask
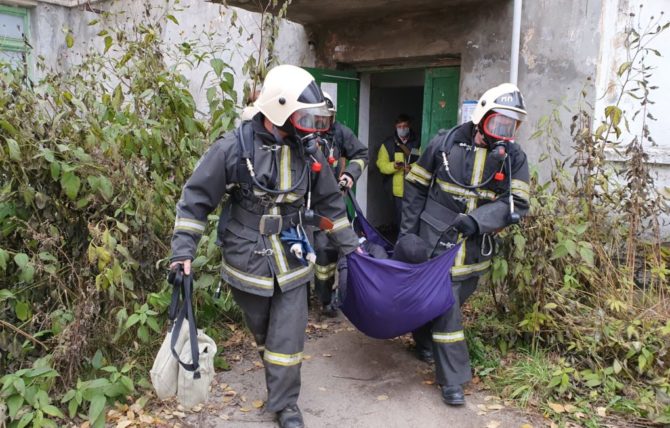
(402, 132)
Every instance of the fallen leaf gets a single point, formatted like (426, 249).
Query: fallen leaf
(321, 388)
(86, 424)
(324, 325)
(223, 386)
(245, 409)
(224, 417)
(327, 355)
(124, 424)
(230, 393)
(179, 414)
(475, 380)
(197, 408)
(493, 424)
(481, 413)
(570, 408)
(130, 415)
(257, 404)
(243, 399)
(258, 364)
(558, 408)
(146, 419)
(481, 407)
(580, 415)
(428, 382)
(526, 426)
(491, 397)
(495, 407)
(382, 397)
(601, 411)
(351, 329)
(306, 357)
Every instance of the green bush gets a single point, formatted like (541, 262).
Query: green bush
(583, 282)
(92, 161)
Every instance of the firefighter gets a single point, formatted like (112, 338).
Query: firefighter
(471, 182)
(338, 145)
(263, 169)
(395, 157)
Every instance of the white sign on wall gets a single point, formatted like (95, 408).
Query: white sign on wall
(466, 110)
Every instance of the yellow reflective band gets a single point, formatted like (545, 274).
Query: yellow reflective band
(412, 177)
(190, 225)
(339, 224)
(521, 188)
(326, 268)
(460, 256)
(468, 269)
(420, 171)
(285, 168)
(478, 167)
(294, 274)
(282, 359)
(324, 276)
(456, 190)
(277, 247)
(359, 162)
(456, 336)
(251, 280)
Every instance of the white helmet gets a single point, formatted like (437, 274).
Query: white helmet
(289, 92)
(500, 111)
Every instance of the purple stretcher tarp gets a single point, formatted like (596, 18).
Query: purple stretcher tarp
(387, 298)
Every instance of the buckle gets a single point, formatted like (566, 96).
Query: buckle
(271, 224)
(264, 252)
(447, 245)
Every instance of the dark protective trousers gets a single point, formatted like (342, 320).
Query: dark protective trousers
(446, 337)
(278, 324)
(326, 265)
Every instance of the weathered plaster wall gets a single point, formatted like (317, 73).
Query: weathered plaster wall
(560, 43)
(196, 19)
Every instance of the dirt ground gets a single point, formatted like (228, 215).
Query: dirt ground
(348, 380)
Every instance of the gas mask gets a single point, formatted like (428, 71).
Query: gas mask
(498, 130)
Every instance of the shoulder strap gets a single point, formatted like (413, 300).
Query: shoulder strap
(183, 283)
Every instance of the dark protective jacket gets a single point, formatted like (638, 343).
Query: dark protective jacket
(253, 261)
(432, 200)
(390, 153)
(339, 142)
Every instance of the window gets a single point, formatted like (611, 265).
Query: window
(14, 34)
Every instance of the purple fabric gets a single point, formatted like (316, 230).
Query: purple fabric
(363, 226)
(387, 298)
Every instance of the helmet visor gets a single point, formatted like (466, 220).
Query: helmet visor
(500, 127)
(313, 119)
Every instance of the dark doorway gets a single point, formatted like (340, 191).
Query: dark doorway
(391, 93)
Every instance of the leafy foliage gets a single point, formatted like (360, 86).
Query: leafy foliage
(92, 161)
(584, 280)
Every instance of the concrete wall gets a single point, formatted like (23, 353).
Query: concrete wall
(560, 44)
(196, 18)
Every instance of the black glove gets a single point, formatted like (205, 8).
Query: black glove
(466, 225)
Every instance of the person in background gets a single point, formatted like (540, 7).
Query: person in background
(338, 144)
(395, 158)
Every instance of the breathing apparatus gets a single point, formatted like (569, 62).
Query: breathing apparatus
(497, 117)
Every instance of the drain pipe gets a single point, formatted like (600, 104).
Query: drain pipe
(516, 40)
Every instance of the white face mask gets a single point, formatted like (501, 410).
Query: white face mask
(402, 132)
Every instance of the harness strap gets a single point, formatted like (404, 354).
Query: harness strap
(183, 283)
(252, 220)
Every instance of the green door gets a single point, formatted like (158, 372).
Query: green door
(440, 101)
(344, 86)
